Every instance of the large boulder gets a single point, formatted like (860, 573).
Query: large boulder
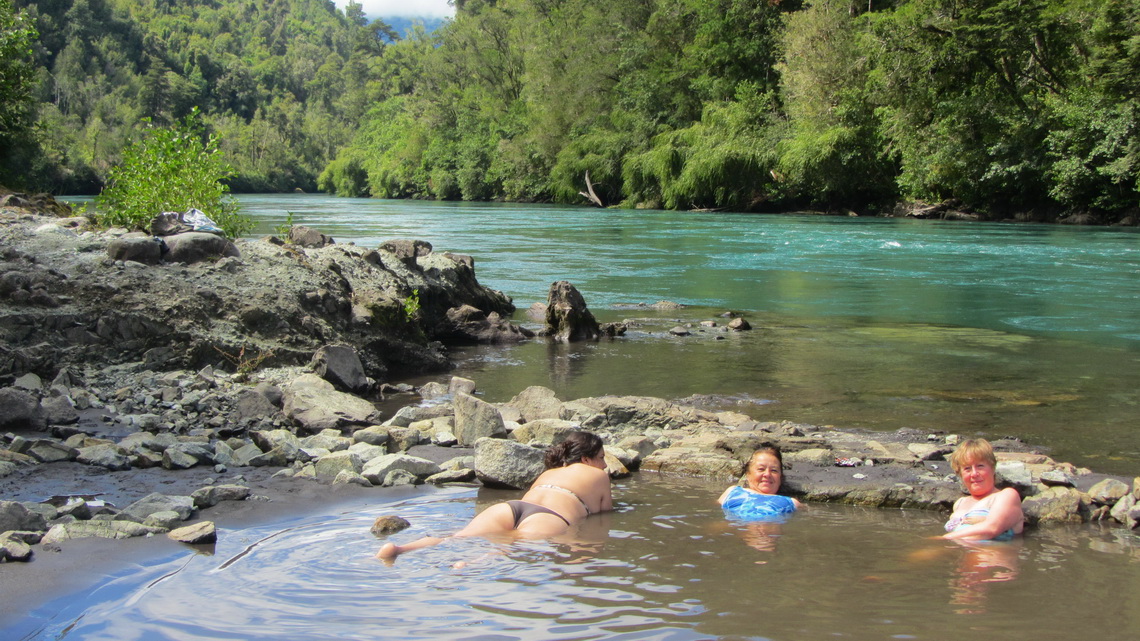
(378, 469)
(111, 457)
(508, 464)
(1055, 505)
(157, 502)
(340, 365)
(567, 318)
(14, 516)
(470, 324)
(476, 419)
(196, 246)
(315, 405)
(303, 236)
(693, 461)
(544, 431)
(20, 410)
(140, 249)
(329, 465)
(537, 402)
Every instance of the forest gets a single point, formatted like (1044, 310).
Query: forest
(1006, 108)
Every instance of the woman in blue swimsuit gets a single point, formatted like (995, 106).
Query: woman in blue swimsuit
(758, 498)
(987, 514)
(574, 486)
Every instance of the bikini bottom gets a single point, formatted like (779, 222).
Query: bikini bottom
(523, 509)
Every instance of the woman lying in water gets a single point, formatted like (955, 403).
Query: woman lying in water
(758, 498)
(987, 513)
(574, 486)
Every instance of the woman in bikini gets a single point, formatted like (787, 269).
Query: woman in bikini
(987, 514)
(759, 499)
(574, 486)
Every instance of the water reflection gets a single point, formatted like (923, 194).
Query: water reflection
(664, 565)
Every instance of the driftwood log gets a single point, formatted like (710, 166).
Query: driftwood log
(589, 193)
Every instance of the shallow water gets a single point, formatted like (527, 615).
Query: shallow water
(664, 565)
(994, 329)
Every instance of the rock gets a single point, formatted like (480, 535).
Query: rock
(195, 246)
(470, 324)
(50, 451)
(111, 457)
(433, 390)
(544, 432)
(20, 410)
(98, 529)
(314, 405)
(140, 249)
(1016, 474)
(407, 250)
(14, 549)
(817, 457)
(929, 451)
(451, 476)
(691, 461)
(211, 495)
(29, 383)
(14, 516)
(183, 456)
(165, 520)
(680, 331)
(1054, 505)
(330, 465)
(339, 365)
(1058, 477)
(409, 414)
(251, 404)
(401, 439)
(567, 318)
(156, 502)
(504, 463)
(1108, 492)
(476, 419)
(385, 525)
(378, 468)
(196, 533)
(348, 477)
(536, 402)
(460, 385)
(400, 477)
(374, 435)
(642, 445)
(739, 325)
(330, 440)
(303, 236)
(1124, 511)
(59, 410)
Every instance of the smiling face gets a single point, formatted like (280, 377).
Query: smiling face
(765, 473)
(978, 477)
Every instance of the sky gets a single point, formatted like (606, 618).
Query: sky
(403, 8)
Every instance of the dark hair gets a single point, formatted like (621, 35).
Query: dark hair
(578, 446)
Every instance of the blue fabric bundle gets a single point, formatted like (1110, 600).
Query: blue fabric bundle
(746, 505)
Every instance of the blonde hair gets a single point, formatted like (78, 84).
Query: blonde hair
(974, 449)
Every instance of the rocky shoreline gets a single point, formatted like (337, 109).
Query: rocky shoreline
(143, 390)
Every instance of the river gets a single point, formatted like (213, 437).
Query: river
(974, 328)
(992, 329)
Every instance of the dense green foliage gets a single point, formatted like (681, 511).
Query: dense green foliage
(16, 74)
(1011, 107)
(172, 168)
(283, 82)
(1020, 107)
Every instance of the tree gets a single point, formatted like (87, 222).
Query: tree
(16, 75)
(171, 169)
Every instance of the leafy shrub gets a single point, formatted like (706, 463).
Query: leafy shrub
(171, 169)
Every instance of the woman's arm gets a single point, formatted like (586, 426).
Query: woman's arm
(1005, 513)
(723, 496)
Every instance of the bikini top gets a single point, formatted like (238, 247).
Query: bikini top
(570, 492)
(747, 505)
(975, 515)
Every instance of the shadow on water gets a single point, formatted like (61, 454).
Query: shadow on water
(664, 565)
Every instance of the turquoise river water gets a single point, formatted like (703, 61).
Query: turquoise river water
(971, 328)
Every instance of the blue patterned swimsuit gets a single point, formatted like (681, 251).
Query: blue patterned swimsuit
(746, 505)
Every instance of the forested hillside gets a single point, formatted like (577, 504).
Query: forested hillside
(1012, 107)
(283, 83)
(1003, 107)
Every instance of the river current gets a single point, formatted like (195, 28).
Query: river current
(990, 329)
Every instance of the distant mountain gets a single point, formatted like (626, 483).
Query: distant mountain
(402, 25)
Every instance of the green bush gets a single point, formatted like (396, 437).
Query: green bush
(171, 169)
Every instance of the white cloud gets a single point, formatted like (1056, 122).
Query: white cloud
(403, 8)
